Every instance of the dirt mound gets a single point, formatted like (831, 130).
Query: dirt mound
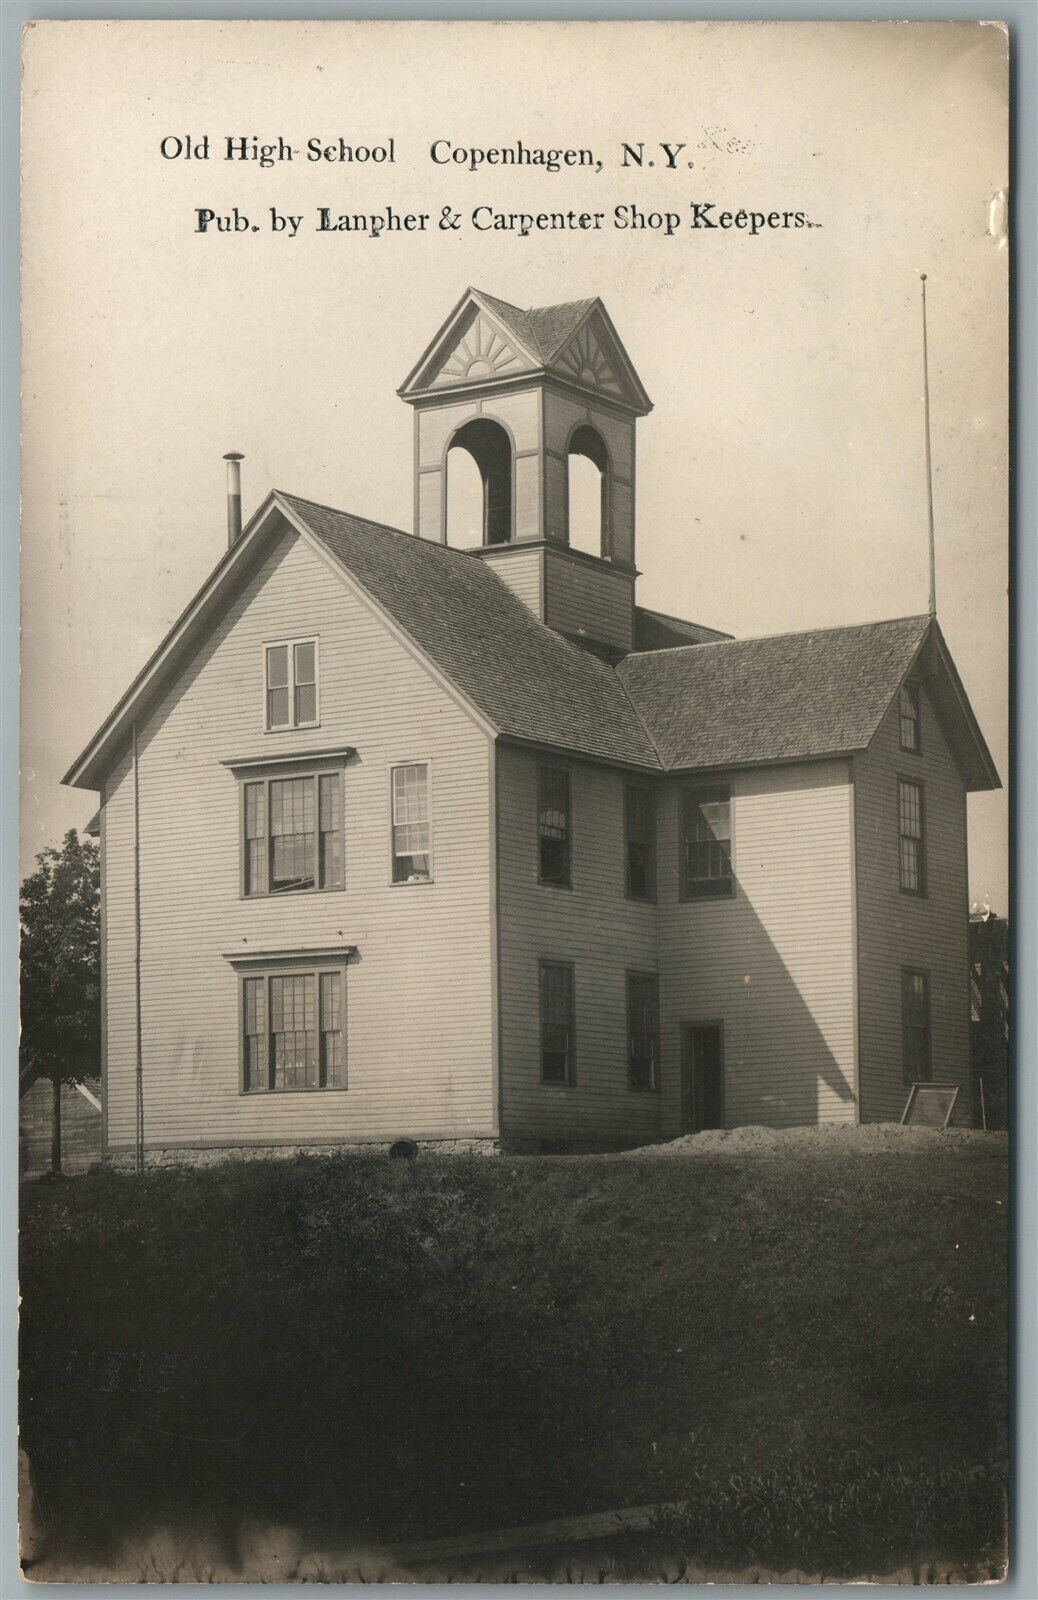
(851, 1139)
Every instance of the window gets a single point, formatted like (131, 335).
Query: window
(908, 717)
(643, 1030)
(706, 842)
(639, 841)
(911, 823)
(291, 684)
(553, 826)
(293, 833)
(293, 1033)
(915, 1026)
(412, 855)
(558, 1061)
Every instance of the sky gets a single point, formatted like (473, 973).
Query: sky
(781, 476)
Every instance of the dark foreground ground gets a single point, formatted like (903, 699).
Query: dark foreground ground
(801, 1340)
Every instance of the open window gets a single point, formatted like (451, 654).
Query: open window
(588, 480)
(479, 485)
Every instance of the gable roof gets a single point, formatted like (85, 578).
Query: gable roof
(719, 703)
(542, 329)
(542, 335)
(792, 696)
(530, 682)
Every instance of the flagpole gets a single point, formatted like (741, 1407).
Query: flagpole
(929, 467)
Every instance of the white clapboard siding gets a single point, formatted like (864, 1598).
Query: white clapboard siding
(591, 925)
(418, 994)
(774, 962)
(519, 570)
(898, 930)
(588, 597)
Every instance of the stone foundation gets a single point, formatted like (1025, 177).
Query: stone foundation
(123, 1160)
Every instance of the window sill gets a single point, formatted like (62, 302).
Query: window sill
(411, 883)
(543, 883)
(288, 894)
(293, 727)
(913, 894)
(269, 1094)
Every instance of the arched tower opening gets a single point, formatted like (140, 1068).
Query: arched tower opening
(587, 481)
(479, 504)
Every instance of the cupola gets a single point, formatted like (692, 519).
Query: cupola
(532, 397)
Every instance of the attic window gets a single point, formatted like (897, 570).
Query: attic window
(908, 717)
(290, 684)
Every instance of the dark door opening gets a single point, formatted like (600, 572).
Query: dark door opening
(702, 1076)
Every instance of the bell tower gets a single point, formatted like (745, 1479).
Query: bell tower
(523, 392)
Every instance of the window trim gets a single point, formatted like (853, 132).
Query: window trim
(912, 689)
(418, 883)
(651, 897)
(285, 772)
(547, 765)
(917, 972)
(301, 966)
(685, 893)
(920, 893)
(570, 1081)
(656, 1073)
(289, 644)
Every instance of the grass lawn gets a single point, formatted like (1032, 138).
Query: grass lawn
(806, 1345)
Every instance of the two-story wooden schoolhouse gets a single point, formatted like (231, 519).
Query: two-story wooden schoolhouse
(401, 840)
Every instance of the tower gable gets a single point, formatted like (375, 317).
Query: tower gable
(478, 350)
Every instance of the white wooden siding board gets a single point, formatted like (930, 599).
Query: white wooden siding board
(521, 573)
(418, 996)
(789, 1031)
(597, 599)
(594, 927)
(898, 930)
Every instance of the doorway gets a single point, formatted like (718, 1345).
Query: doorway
(702, 1076)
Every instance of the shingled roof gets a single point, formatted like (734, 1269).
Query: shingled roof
(742, 701)
(529, 681)
(543, 329)
(719, 703)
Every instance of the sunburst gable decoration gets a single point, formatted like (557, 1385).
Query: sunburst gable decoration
(584, 360)
(481, 352)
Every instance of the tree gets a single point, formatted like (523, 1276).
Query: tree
(60, 908)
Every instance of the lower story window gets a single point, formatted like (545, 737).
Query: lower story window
(915, 1026)
(293, 1030)
(557, 1022)
(643, 1030)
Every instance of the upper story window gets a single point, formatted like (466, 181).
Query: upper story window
(911, 824)
(411, 823)
(553, 826)
(292, 833)
(558, 1030)
(293, 1030)
(915, 1026)
(908, 717)
(706, 842)
(643, 1030)
(290, 688)
(639, 842)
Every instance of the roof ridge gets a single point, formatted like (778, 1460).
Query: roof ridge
(684, 622)
(787, 633)
(370, 522)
